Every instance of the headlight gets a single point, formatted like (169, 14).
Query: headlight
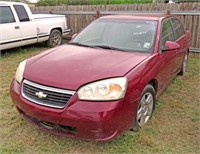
(104, 90)
(20, 71)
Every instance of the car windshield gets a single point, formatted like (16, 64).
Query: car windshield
(124, 35)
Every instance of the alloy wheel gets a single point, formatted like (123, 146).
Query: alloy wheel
(56, 39)
(145, 109)
(185, 63)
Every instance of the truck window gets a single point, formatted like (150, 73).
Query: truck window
(21, 12)
(6, 15)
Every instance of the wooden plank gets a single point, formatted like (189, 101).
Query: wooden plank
(195, 31)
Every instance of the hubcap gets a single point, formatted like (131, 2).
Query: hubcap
(145, 109)
(56, 40)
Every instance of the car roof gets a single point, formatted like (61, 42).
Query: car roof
(138, 16)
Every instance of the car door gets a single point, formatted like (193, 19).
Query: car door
(9, 29)
(167, 57)
(180, 38)
(28, 28)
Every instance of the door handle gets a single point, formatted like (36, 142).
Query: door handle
(16, 27)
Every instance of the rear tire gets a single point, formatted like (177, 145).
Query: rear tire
(184, 65)
(55, 38)
(145, 107)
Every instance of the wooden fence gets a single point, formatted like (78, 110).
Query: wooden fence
(80, 16)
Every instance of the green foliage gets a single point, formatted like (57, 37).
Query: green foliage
(89, 2)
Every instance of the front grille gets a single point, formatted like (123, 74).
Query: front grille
(45, 95)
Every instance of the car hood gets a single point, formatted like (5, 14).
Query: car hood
(70, 66)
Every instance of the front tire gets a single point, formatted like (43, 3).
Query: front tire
(145, 107)
(55, 38)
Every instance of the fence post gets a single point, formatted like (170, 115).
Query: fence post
(97, 14)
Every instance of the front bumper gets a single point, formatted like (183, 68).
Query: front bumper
(87, 120)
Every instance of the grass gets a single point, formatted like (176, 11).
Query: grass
(174, 127)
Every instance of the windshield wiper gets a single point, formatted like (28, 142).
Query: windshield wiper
(79, 44)
(97, 46)
(108, 47)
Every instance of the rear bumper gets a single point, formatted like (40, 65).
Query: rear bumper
(66, 32)
(100, 121)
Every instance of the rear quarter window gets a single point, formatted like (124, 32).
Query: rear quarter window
(178, 28)
(6, 15)
(21, 12)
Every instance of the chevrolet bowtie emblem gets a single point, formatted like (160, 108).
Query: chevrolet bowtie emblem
(40, 95)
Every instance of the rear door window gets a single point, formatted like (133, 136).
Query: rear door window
(21, 12)
(178, 28)
(6, 15)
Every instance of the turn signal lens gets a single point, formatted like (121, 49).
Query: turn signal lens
(20, 71)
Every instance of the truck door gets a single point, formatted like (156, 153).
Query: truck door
(9, 29)
(28, 28)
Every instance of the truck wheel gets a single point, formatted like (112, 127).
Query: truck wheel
(55, 38)
(145, 107)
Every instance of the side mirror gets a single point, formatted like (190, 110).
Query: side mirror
(169, 45)
(73, 36)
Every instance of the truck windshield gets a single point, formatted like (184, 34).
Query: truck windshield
(125, 35)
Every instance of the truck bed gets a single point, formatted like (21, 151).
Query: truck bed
(45, 16)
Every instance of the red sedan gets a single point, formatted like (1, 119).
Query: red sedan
(106, 80)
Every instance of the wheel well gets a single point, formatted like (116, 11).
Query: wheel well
(58, 28)
(154, 83)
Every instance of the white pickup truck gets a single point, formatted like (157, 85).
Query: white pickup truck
(19, 27)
